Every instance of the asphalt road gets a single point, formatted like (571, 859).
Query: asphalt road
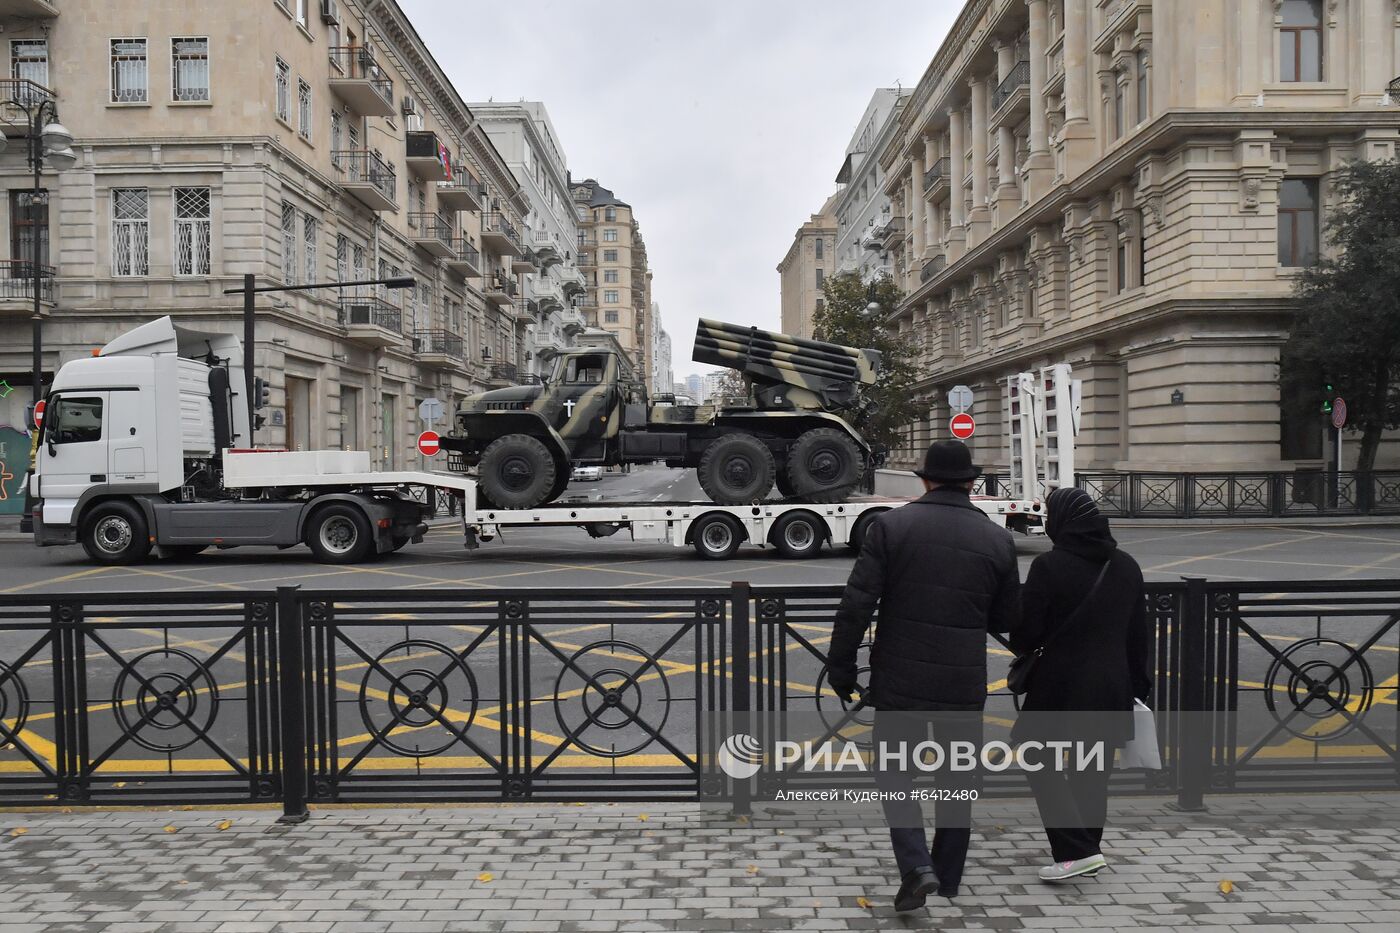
(396, 639)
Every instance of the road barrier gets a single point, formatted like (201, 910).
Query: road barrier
(318, 696)
(1299, 493)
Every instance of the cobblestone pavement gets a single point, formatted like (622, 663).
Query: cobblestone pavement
(1318, 863)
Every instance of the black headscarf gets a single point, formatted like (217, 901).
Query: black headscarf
(1076, 525)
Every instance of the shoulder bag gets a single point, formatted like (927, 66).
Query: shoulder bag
(1018, 678)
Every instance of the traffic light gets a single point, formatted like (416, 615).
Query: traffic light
(1329, 392)
(262, 392)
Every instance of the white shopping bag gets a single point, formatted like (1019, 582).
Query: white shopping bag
(1141, 751)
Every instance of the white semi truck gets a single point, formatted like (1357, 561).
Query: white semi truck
(146, 447)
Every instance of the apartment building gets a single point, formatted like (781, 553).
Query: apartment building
(864, 219)
(662, 377)
(1131, 186)
(809, 260)
(613, 257)
(526, 139)
(298, 140)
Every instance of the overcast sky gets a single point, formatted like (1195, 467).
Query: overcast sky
(722, 122)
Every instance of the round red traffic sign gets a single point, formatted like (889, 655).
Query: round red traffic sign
(39, 413)
(1339, 413)
(962, 426)
(429, 443)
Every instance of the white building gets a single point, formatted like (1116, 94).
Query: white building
(862, 207)
(525, 137)
(661, 378)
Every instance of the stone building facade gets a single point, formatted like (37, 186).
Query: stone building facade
(1130, 186)
(809, 260)
(294, 140)
(613, 256)
(863, 213)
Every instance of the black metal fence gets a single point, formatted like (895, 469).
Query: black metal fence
(1244, 495)
(608, 694)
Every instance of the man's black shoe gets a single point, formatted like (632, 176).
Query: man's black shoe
(917, 886)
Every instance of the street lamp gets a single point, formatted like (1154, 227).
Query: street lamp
(250, 288)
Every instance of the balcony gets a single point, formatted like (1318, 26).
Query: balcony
(888, 233)
(438, 349)
(465, 259)
(549, 295)
(20, 91)
(498, 235)
(571, 319)
(1012, 98)
(425, 156)
(525, 262)
(461, 192)
(357, 79)
(572, 280)
(370, 320)
(367, 178)
(527, 309)
(502, 374)
(936, 179)
(931, 268)
(431, 233)
(29, 9)
(544, 345)
(1120, 16)
(17, 286)
(500, 290)
(546, 250)
(587, 260)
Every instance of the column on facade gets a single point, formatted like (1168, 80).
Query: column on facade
(932, 236)
(1078, 131)
(920, 206)
(957, 163)
(980, 133)
(1040, 166)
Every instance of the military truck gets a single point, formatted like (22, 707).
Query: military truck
(784, 430)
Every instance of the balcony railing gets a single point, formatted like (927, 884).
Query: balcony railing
(425, 154)
(462, 191)
(500, 284)
(24, 92)
(496, 224)
(359, 79)
(527, 307)
(370, 311)
(368, 176)
(931, 268)
(17, 281)
(504, 372)
(936, 172)
(432, 229)
(438, 342)
(1019, 77)
(465, 257)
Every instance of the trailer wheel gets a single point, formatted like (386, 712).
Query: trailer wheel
(339, 534)
(716, 536)
(862, 526)
(517, 472)
(736, 469)
(115, 533)
(799, 535)
(824, 465)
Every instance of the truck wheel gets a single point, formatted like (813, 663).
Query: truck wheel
(716, 536)
(561, 480)
(862, 526)
(798, 535)
(824, 465)
(116, 533)
(517, 472)
(339, 534)
(736, 469)
(784, 484)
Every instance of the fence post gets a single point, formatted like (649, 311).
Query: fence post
(740, 704)
(1193, 759)
(291, 706)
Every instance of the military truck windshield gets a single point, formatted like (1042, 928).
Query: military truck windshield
(585, 369)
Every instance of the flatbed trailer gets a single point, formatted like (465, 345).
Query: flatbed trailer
(795, 529)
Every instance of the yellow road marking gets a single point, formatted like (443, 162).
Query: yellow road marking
(50, 582)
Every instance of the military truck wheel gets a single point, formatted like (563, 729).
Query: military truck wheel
(517, 472)
(824, 465)
(784, 485)
(562, 473)
(736, 469)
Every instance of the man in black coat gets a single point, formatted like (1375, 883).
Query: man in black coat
(943, 575)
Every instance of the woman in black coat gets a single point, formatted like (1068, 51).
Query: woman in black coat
(1097, 666)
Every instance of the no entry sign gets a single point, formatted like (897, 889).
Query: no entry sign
(1339, 413)
(429, 443)
(962, 426)
(39, 413)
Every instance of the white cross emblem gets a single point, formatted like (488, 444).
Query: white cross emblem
(569, 407)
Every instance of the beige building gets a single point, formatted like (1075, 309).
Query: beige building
(613, 256)
(809, 260)
(1130, 186)
(299, 141)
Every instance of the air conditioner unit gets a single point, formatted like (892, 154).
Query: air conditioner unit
(330, 12)
(408, 106)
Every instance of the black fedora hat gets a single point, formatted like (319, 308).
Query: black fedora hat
(948, 462)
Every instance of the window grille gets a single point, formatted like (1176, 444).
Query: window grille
(192, 216)
(129, 73)
(189, 69)
(284, 91)
(289, 244)
(131, 232)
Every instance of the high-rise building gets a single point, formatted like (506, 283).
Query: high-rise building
(526, 139)
(661, 375)
(613, 256)
(695, 386)
(809, 260)
(1132, 188)
(864, 221)
(299, 142)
